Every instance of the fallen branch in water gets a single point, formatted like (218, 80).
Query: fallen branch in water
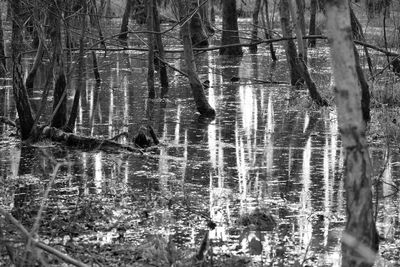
(38, 244)
(84, 142)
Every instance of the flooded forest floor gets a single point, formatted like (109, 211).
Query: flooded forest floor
(261, 185)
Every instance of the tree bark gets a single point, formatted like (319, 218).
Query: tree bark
(268, 30)
(197, 28)
(254, 32)
(199, 96)
(3, 66)
(70, 126)
(230, 30)
(161, 54)
(297, 10)
(311, 31)
(150, 42)
(30, 80)
(123, 36)
(59, 98)
(19, 90)
(360, 232)
(290, 47)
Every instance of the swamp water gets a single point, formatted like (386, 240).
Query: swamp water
(266, 174)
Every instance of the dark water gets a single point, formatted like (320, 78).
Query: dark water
(267, 171)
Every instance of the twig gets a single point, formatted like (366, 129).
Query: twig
(38, 244)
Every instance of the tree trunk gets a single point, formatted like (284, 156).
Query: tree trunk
(30, 80)
(311, 31)
(290, 47)
(150, 42)
(360, 232)
(365, 95)
(81, 70)
(254, 32)
(161, 54)
(230, 30)
(199, 96)
(123, 36)
(3, 66)
(59, 96)
(197, 29)
(206, 19)
(212, 11)
(19, 90)
(268, 30)
(297, 10)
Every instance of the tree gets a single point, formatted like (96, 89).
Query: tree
(150, 44)
(123, 36)
(290, 47)
(59, 96)
(311, 31)
(199, 96)
(230, 30)
(19, 90)
(360, 231)
(254, 32)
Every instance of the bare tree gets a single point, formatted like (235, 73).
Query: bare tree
(230, 31)
(360, 232)
(199, 96)
(19, 90)
(254, 32)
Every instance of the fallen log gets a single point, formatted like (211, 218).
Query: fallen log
(84, 142)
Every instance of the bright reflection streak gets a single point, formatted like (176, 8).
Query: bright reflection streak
(111, 113)
(98, 176)
(305, 226)
(389, 208)
(178, 124)
(126, 105)
(212, 144)
(270, 115)
(306, 121)
(327, 189)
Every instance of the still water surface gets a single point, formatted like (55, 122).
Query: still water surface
(267, 171)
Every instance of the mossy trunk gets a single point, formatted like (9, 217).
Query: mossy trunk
(360, 239)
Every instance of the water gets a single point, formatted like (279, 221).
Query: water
(267, 171)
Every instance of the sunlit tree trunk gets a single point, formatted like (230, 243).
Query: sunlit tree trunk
(19, 90)
(290, 47)
(360, 239)
(81, 71)
(161, 54)
(125, 21)
(199, 96)
(230, 30)
(150, 42)
(254, 32)
(311, 31)
(59, 96)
